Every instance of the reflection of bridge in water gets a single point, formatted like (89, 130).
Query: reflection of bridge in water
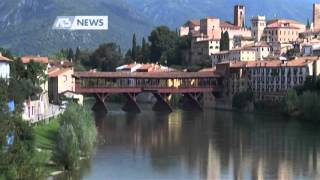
(191, 85)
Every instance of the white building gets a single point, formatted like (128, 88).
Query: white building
(239, 54)
(4, 66)
(271, 79)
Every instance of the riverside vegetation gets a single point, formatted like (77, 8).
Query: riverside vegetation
(302, 102)
(56, 146)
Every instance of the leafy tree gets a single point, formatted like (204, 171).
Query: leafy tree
(310, 105)
(17, 70)
(67, 148)
(6, 53)
(18, 161)
(128, 59)
(106, 57)
(84, 127)
(162, 40)
(36, 72)
(292, 102)
(26, 81)
(241, 99)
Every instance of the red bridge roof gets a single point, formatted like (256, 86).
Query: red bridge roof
(89, 74)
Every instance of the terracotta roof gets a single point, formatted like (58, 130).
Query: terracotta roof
(58, 63)
(135, 67)
(224, 24)
(55, 72)
(302, 61)
(145, 74)
(291, 21)
(4, 59)
(208, 70)
(27, 59)
(280, 23)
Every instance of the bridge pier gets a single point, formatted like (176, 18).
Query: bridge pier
(131, 105)
(162, 104)
(192, 101)
(100, 107)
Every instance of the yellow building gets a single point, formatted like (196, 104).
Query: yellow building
(62, 83)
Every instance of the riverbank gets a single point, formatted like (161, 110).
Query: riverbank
(66, 140)
(45, 136)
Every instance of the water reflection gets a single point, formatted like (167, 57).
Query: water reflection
(208, 145)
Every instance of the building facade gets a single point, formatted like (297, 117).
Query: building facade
(316, 16)
(201, 50)
(240, 15)
(240, 54)
(36, 109)
(269, 80)
(4, 67)
(60, 81)
(259, 23)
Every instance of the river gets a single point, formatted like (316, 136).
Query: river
(208, 145)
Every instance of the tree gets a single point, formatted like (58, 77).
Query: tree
(162, 40)
(241, 99)
(17, 70)
(70, 56)
(308, 26)
(83, 123)
(134, 48)
(309, 106)
(224, 41)
(292, 102)
(19, 160)
(36, 72)
(145, 51)
(106, 57)
(6, 53)
(67, 149)
(128, 59)
(26, 81)
(77, 55)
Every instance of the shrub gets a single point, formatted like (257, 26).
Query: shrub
(309, 106)
(291, 102)
(241, 100)
(67, 148)
(84, 127)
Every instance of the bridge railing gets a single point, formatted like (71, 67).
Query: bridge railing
(146, 83)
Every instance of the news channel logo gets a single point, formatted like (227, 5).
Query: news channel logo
(81, 23)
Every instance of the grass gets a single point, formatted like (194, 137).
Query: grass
(45, 136)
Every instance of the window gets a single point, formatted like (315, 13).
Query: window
(65, 78)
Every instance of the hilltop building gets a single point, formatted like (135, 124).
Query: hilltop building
(240, 16)
(259, 23)
(316, 16)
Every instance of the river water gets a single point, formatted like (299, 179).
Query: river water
(208, 145)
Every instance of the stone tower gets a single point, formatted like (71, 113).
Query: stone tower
(239, 15)
(316, 16)
(258, 25)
